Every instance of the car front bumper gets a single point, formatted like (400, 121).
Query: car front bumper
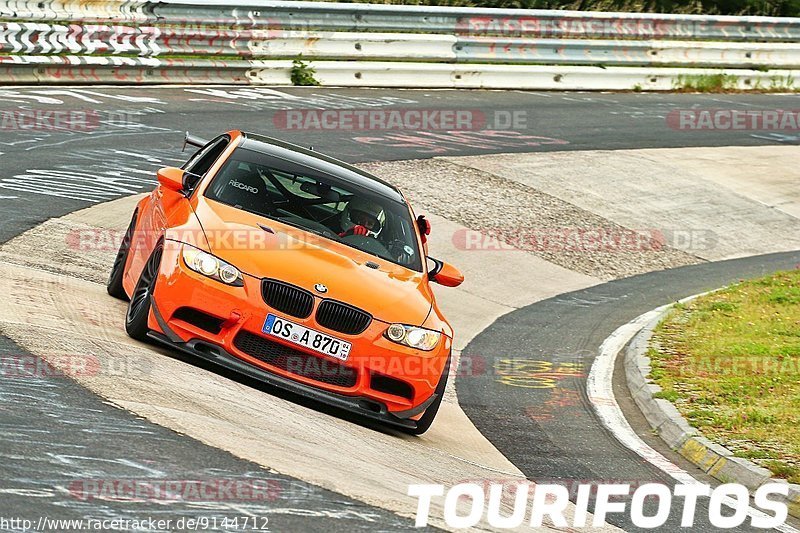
(242, 309)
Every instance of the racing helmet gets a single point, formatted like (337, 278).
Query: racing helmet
(362, 212)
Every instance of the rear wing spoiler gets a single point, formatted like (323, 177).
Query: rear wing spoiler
(188, 138)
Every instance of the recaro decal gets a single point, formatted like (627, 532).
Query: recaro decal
(243, 186)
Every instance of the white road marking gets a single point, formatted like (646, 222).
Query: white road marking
(601, 394)
(95, 136)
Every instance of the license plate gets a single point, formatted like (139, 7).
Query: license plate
(313, 340)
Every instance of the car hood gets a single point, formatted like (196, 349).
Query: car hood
(390, 293)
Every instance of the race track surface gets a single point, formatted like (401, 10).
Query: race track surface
(549, 428)
(56, 431)
(128, 126)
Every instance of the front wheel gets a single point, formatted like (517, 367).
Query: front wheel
(425, 421)
(142, 297)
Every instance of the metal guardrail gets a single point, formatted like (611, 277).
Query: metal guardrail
(478, 21)
(72, 70)
(118, 70)
(630, 53)
(354, 17)
(153, 41)
(276, 29)
(101, 11)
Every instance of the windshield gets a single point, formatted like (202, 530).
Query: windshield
(317, 202)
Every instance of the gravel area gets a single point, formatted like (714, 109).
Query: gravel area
(505, 211)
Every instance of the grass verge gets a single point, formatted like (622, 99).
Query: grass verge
(728, 83)
(730, 362)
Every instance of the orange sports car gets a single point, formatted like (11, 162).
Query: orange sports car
(294, 268)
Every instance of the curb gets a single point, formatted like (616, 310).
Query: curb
(713, 459)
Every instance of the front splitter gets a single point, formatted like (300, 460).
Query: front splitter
(360, 406)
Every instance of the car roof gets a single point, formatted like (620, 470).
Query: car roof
(313, 159)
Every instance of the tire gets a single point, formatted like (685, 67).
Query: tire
(425, 421)
(142, 297)
(114, 285)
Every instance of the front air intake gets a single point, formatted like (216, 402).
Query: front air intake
(295, 361)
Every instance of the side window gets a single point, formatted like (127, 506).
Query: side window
(203, 159)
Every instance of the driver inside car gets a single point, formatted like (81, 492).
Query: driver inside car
(362, 217)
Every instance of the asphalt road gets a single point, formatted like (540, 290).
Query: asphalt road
(533, 407)
(118, 135)
(67, 454)
(111, 144)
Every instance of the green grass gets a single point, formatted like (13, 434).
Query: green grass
(706, 83)
(728, 83)
(302, 74)
(730, 362)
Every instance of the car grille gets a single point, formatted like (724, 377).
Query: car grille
(294, 361)
(342, 317)
(287, 298)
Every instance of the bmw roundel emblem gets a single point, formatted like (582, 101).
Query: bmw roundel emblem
(319, 287)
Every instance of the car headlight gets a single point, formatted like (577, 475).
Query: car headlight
(419, 338)
(212, 267)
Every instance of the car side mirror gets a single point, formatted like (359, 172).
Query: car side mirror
(190, 181)
(445, 273)
(171, 178)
